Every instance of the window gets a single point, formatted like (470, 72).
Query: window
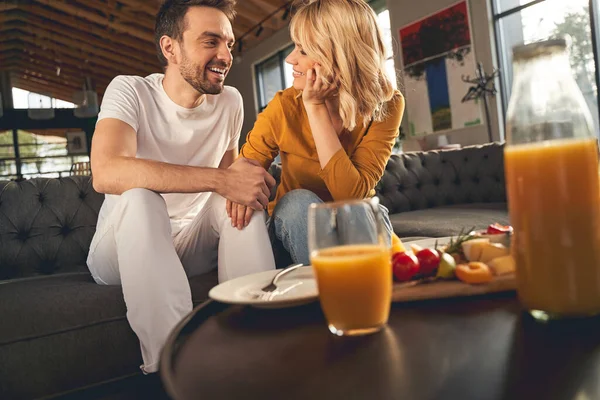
(527, 21)
(383, 18)
(274, 74)
(35, 155)
(44, 153)
(25, 99)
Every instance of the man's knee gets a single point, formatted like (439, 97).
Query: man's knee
(143, 199)
(139, 195)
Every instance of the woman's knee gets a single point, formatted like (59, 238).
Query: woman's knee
(296, 201)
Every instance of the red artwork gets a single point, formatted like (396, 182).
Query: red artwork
(437, 34)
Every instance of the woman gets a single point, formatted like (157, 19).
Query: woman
(335, 128)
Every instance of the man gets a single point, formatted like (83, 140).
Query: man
(163, 153)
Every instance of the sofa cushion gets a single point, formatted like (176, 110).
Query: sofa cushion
(46, 225)
(64, 331)
(419, 180)
(448, 220)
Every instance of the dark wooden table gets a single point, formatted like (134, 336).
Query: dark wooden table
(464, 348)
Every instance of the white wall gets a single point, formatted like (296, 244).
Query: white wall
(402, 12)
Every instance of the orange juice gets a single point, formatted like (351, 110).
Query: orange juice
(554, 208)
(355, 287)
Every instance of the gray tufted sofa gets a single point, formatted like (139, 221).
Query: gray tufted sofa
(59, 331)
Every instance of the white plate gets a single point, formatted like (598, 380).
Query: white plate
(296, 288)
(429, 243)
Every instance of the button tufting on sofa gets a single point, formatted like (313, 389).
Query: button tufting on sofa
(65, 230)
(46, 219)
(23, 235)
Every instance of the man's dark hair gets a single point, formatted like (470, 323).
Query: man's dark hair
(170, 19)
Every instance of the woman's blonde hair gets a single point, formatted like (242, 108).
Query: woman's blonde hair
(343, 36)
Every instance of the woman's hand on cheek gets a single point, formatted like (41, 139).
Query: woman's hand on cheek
(316, 90)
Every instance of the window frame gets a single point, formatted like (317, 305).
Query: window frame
(501, 55)
(280, 55)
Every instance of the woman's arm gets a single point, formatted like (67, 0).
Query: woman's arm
(314, 96)
(261, 142)
(354, 177)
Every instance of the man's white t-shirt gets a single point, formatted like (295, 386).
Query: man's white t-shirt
(173, 134)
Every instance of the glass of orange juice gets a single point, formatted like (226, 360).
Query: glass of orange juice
(351, 261)
(551, 167)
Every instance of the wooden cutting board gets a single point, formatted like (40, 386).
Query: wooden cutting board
(412, 291)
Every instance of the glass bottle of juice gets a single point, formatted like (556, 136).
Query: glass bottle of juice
(551, 168)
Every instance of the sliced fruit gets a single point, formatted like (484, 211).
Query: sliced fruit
(472, 248)
(415, 248)
(397, 245)
(496, 228)
(474, 272)
(484, 251)
(493, 250)
(502, 265)
(447, 266)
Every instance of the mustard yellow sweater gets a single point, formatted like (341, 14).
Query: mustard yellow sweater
(352, 173)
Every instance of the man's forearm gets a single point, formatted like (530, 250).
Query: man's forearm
(120, 174)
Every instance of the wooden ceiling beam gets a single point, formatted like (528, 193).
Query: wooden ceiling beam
(120, 69)
(25, 71)
(42, 86)
(30, 86)
(64, 65)
(68, 73)
(251, 14)
(6, 6)
(113, 11)
(148, 58)
(63, 6)
(80, 29)
(145, 6)
(267, 6)
(92, 52)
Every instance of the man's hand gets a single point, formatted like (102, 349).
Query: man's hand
(240, 215)
(317, 88)
(248, 184)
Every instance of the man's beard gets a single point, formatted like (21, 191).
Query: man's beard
(196, 77)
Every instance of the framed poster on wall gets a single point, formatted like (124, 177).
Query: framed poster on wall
(437, 52)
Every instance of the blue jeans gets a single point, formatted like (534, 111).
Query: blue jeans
(288, 227)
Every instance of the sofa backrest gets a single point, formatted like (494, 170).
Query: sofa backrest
(418, 180)
(46, 225)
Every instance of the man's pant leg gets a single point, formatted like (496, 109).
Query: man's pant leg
(210, 237)
(134, 248)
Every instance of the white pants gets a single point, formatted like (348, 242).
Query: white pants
(135, 248)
